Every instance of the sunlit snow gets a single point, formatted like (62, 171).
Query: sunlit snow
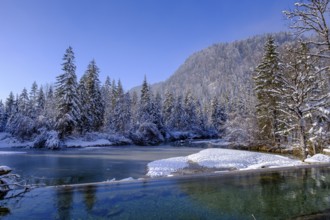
(220, 158)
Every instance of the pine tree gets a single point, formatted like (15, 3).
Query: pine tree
(41, 101)
(156, 112)
(24, 103)
(178, 116)
(145, 103)
(33, 96)
(91, 99)
(168, 109)
(265, 84)
(106, 92)
(2, 117)
(218, 116)
(190, 114)
(68, 103)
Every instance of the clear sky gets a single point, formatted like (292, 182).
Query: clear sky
(127, 38)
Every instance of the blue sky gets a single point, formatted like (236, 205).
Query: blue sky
(127, 38)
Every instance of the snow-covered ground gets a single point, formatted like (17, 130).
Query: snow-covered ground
(222, 159)
(6, 141)
(318, 158)
(82, 143)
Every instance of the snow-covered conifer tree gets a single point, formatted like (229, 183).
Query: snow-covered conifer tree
(267, 106)
(2, 116)
(92, 110)
(67, 100)
(218, 116)
(145, 103)
(168, 109)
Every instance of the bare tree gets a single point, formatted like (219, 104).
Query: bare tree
(310, 17)
(303, 97)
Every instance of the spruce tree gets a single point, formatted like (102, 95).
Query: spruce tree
(145, 103)
(91, 99)
(68, 103)
(2, 116)
(265, 83)
(218, 116)
(168, 109)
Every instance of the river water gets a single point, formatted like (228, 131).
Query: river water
(86, 165)
(295, 193)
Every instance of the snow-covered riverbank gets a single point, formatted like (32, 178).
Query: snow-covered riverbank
(225, 159)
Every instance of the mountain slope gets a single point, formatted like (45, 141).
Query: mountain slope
(223, 69)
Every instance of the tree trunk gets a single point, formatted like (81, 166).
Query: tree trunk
(303, 138)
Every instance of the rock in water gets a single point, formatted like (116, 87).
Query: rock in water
(5, 170)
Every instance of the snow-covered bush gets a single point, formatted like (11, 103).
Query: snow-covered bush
(48, 139)
(147, 134)
(119, 140)
(21, 126)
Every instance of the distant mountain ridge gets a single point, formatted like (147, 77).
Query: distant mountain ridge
(224, 70)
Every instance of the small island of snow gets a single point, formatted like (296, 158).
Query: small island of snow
(222, 159)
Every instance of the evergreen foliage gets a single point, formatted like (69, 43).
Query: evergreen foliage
(267, 108)
(68, 104)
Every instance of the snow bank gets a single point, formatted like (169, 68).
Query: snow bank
(5, 169)
(166, 166)
(318, 158)
(220, 158)
(12, 152)
(82, 143)
(7, 141)
(226, 158)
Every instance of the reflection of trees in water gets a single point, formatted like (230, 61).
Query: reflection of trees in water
(89, 196)
(64, 198)
(282, 194)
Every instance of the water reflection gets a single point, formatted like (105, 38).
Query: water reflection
(291, 194)
(64, 197)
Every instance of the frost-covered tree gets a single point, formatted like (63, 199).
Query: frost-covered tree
(2, 116)
(178, 118)
(106, 92)
(218, 116)
(145, 103)
(303, 98)
(156, 112)
(134, 109)
(122, 112)
(267, 108)
(92, 111)
(24, 103)
(20, 123)
(311, 16)
(33, 100)
(41, 101)
(168, 109)
(190, 119)
(68, 103)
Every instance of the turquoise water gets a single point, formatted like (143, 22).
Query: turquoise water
(274, 194)
(86, 165)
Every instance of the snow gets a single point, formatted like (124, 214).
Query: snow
(318, 158)
(220, 158)
(7, 141)
(5, 169)
(81, 143)
(165, 167)
(326, 150)
(11, 152)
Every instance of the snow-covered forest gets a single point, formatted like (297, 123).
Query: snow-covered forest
(270, 90)
(70, 107)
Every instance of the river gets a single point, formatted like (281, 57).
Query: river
(294, 193)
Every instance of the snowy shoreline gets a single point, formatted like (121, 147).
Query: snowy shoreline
(220, 160)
